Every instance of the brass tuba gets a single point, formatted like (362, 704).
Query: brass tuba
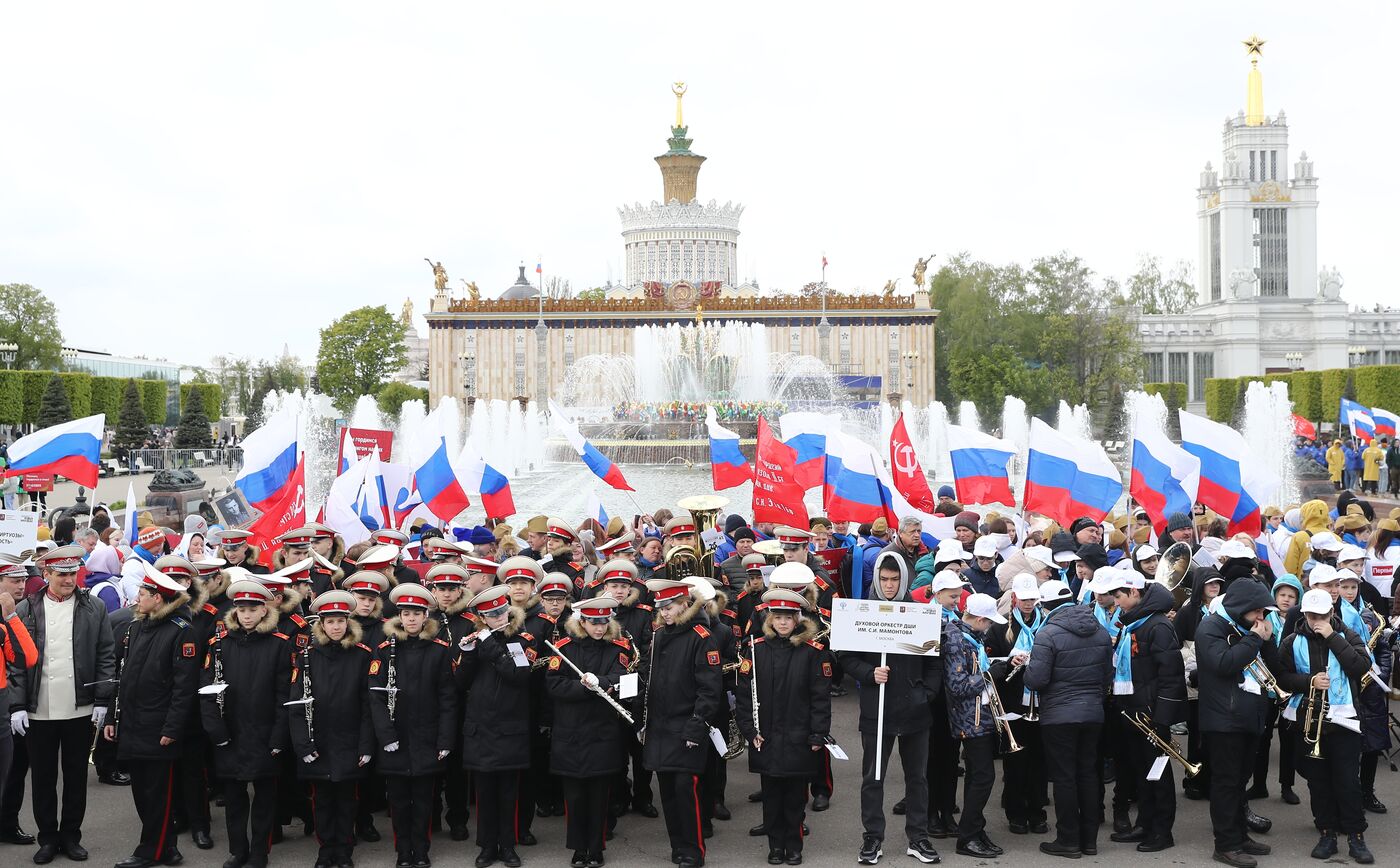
(771, 549)
(681, 563)
(1173, 567)
(704, 508)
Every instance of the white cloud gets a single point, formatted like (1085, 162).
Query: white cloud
(253, 171)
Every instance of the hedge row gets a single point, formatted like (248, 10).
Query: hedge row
(1316, 394)
(1173, 394)
(211, 394)
(22, 391)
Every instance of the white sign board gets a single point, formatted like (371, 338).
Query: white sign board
(885, 628)
(19, 530)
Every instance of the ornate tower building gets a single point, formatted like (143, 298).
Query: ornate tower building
(679, 240)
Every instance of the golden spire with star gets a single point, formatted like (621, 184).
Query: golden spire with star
(1254, 106)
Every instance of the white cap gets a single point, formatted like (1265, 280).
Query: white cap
(1104, 580)
(1321, 575)
(985, 547)
(1040, 554)
(791, 574)
(946, 580)
(1235, 549)
(1066, 557)
(1054, 590)
(950, 550)
(1120, 579)
(1317, 602)
(1145, 551)
(983, 606)
(1350, 552)
(703, 590)
(1344, 575)
(1326, 541)
(1024, 586)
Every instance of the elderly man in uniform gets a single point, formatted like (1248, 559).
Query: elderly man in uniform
(56, 702)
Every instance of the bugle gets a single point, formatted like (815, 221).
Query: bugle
(1168, 747)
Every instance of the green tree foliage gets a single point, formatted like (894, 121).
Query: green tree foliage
(254, 417)
(392, 397)
(1305, 388)
(596, 293)
(107, 397)
(55, 409)
(211, 396)
(193, 430)
(29, 320)
(131, 419)
(358, 352)
(78, 384)
(1334, 387)
(1378, 386)
(1174, 396)
(11, 398)
(1154, 292)
(1220, 398)
(35, 382)
(155, 396)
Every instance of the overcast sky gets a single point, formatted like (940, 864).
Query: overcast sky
(185, 179)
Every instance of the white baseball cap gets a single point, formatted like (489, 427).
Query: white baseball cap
(1024, 586)
(950, 550)
(1322, 574)
(985, 547)
(1054, 590)
(946, 580)
(983, 606)
(1344, 575)
(1317, 602)
(1350, 552)
(1325, 541)
(1145, 551)
(1105, 580)
(1235, 549)
(1040, 554)
(1117, 579)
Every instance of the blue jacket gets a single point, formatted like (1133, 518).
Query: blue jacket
(1353, 458)
(963, 683)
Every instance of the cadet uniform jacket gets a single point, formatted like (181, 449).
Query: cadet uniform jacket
(794, 702)
(159, 665)
(683, 692)
(257, 666)
(584, 741)
(496, 726)
(425, 706)
(342, 730)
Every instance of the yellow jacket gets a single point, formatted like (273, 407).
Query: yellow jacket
(1371, 461)
(1336, 461)
(1299, 547)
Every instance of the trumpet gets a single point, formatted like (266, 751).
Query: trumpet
(1168, 747)
(1260, 673)
(1318, 707)
(1033, 699)
(999, 714)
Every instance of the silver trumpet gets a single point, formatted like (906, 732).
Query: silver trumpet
(1260, 673)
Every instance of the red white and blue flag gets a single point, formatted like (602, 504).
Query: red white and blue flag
(269, 460)
(1234, 482)
(854, 490)
(1165, 477)
(1362, 425)
(979, 466)
(1385, 422)
(70, 449)
(437, 483)
(806, 434)
(600, 464)
(1068, 477)
(488, 482)
(728, 466)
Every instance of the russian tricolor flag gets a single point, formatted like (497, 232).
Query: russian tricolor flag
(594, 509)
(1385, 422)
(806, 434)
(70, 449)
(600, 464)
(979, 466)
(1233, 482)
(1164, 477)
(1067, 477)
(269, 460)
(854, 490)
(1359, 418)
(493, 486)
(437, 483)
(728, 466)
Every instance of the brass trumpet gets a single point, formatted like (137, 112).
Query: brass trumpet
(1169, 748)
(1316, 716)
(999, 714)
(1260, 673)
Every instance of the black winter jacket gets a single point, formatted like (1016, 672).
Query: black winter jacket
(1159, 674)
(425, 706)
(1351, 654)
(1222, 653)
(159, 664)
(1071, 666)
(257, 666)
(94, 654)
(794, 702)
(496, 724)
(583, 739)
(683, 692)
(342, 730)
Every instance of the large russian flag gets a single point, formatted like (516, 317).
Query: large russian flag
(806, 434)
(1234, 482)
(269, 460)
(493, 486)
(728, 466)
(437, 483)
(1067, 477)
(1385, 422)
(854, 490)
(600, 464)
(70, 449)
(1359, 418)
(979, 466)
(1164, 476)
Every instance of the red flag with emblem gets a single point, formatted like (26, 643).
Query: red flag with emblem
(777, 495)
(1303, 428)
(287, 513)
(908, 474)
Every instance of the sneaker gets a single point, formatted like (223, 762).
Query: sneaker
(1326, 846)
(870, 851)
(1356, 846)
(923, 851)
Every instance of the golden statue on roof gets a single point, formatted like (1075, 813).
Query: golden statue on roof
(678, 88)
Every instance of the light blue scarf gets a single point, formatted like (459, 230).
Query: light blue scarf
(984, 664)
(1025, 640)
(1108, 622)
(1338, 694)
(1351, 617)
(1123, 657)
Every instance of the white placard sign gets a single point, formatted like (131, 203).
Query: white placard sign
(19, 530)
(885, 628)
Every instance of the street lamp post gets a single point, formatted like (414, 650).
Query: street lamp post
(1294, 360)
(468, 378)
(8, 351)
(1355, 354)
(69, 356)
(910, 359)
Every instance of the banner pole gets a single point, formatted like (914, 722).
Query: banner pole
(880, 724)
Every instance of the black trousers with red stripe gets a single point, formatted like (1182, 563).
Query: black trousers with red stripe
(824, 783)
(153, 791)
(411, 810)
(586, 807)
(784, 808)
(497, 803)
(680, 803)
(333, 809)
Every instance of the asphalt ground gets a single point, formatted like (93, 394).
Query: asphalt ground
(110, 829)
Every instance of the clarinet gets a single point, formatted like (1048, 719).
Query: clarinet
(753, 686)
(306, 697)
(390, 685)
(219, 671)
(646, 699)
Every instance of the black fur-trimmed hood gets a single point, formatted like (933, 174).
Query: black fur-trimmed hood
(164, 610)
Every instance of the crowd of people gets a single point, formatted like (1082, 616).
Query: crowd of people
(692, 411)
(583, 671)
(1353, 464)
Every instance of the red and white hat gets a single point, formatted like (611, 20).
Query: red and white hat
(617, 570)
(664, 591)
(554, 583)
(520, 568)
(150, 534)
(380, 556)
(622, 545)
(445, 574)
(480, 565)
(791, 536)
(389, 536)
(154, 580)
(297, 572)
(681, 523)
(365, 582)
(248, 593)
(63, 559)
(596, 609)
(234, 536)
(210, 567)
(174, 565)
(333, 603)
(490, 602)
(783, 600)
(559, 529)
(411, 595)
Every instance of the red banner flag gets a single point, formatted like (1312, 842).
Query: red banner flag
(777, 497)
(1303, 428)
(285, 514)
(908, 475)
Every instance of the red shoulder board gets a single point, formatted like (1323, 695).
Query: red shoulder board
(760, 607)
(821, 583)
(298, 620)
(550, 618)
(758, 640)
(210, 608)
(712, 657)
(187, 649)
(621, 643)
(576, 565)
(442, 643)
(730, 613)
(825, 612)
(526, 634)
(363, 647)
(644, 607)
(704, 634)
(281, 635)
(817, 645)
(742, 594)
(826, 668)
(564, 641)
(384, 644)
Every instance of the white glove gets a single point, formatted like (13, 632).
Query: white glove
(590, 680)
(276, 751)
(442, 754)
(391, 747)
(311, 757)
(364, 760)
(467, 643)
(19, 722)
(99, 714)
